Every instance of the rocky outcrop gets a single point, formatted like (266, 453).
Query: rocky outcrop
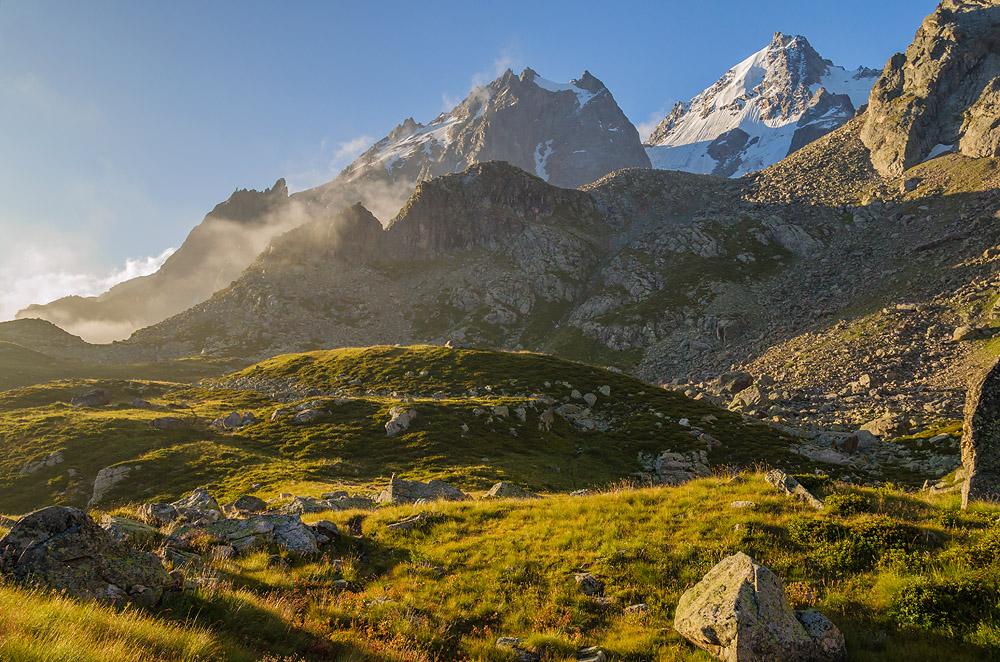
(410, 491)
(739, 613)
(63, 549)
(791, 487)
(981, 438)
(95, 398)
(943, 92)
(400, 419)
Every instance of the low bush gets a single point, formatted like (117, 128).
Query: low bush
(956, 604)
(847, 504)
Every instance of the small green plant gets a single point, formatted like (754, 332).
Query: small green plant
(847, 504)
(957, 604)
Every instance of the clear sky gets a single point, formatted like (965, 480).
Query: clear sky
(123, 122)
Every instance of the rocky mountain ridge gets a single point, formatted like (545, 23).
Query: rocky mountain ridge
(760, 111)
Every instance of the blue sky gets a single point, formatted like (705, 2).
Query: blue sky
(122, 123)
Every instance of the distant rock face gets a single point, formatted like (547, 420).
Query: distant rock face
(981, 438)
(943, 92)
(63, 549)
(569, 134)
(739, 613)
(773, 103)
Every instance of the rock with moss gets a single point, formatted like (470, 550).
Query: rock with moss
(95, 398)
(981, 438)
(244, 505)
(199, 504)
(400, 420)
(410, 491)
(63, 549)
(123, 529)
(739, 613)
(507, 490)
(783, 482)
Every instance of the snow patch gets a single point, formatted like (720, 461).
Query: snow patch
(582, 95)
(938, 151)
(542, 153)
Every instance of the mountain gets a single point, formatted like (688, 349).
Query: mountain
(569, 134)
(763, 109)
(943, 94)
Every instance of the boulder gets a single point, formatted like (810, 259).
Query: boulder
(508, 490)
(244, 505)
(409, 491)
(753, 397)
(309, 415)
(199, 504)
(400, 420)
(589, 585)
(408, 523)
(981, 438)
(96, 398)
(733, 382)
(158, 514)
(107, 478)
(285, 531)
(739, 613)
(964, 333)
(785, 483)
(63, 549)
(889, 425)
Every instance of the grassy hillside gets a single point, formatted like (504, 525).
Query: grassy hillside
(461, 433)
(906, 578)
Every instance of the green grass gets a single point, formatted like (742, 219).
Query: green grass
(350, 449)
(476, 571)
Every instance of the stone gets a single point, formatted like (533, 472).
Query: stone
(400, 420)
(95, 398)
(309, 416)
(964, 333)
(739, 613)
(581, 493)
(508, 490)
(244, 505)
(827, 638)
(158, 514)
(591, 654)
(517, 646)
(981, 438)
(753, 397)
(408, 523)
(286, 531)
(326, 528)
(739, 505)
(123, 529)
(734, 382)
(168, 423)
(63, 549)
(107, 478)
(301, 505)
(889, 425)
(199, 504)
(409, 491)
(605, 391)
(590, 399)
(589, 585)
(785, 483)
(638, 608)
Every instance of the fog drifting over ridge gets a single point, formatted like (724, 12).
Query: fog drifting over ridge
(37, 274)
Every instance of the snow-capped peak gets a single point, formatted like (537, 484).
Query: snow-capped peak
(767, 106)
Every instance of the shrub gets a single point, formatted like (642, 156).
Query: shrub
(838, 549)
(946, 603)
(847, 504)
(808, 531)
(981, 552)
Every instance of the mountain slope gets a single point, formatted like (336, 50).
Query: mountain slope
(766, 107)
(569, 134)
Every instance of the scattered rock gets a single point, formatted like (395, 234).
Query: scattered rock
(96, 398)
(64, 550)
(409, 491)
(964, 333)
(408, 523)
(107, 478)
(244, 505)
(508, 490)
(589, 585)
(50, 460)
(309, 416)
(639, 608)
(742, 504)
(400, 420)
(785, 483)
(158, 514)
(123, 529)
(199, 504)
(519, 648)
(739, 612)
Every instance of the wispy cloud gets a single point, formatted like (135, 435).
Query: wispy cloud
(508, 59)
(646, 128)
(31, 93)
(326, 162)
(43, 272)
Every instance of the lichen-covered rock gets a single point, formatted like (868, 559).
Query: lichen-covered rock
(285, 531)
(785, 483)
(63, 549)
(507, 490)
(168, 423)
(244, 505)
(409, 491)
(106, 479)
(739, 613)
(401, 419)
(981, 438)
(123, 529)
(158, 514)
(199, 504)
(827, 637)
(943, 91)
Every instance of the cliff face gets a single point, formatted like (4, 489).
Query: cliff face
(943, 93)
